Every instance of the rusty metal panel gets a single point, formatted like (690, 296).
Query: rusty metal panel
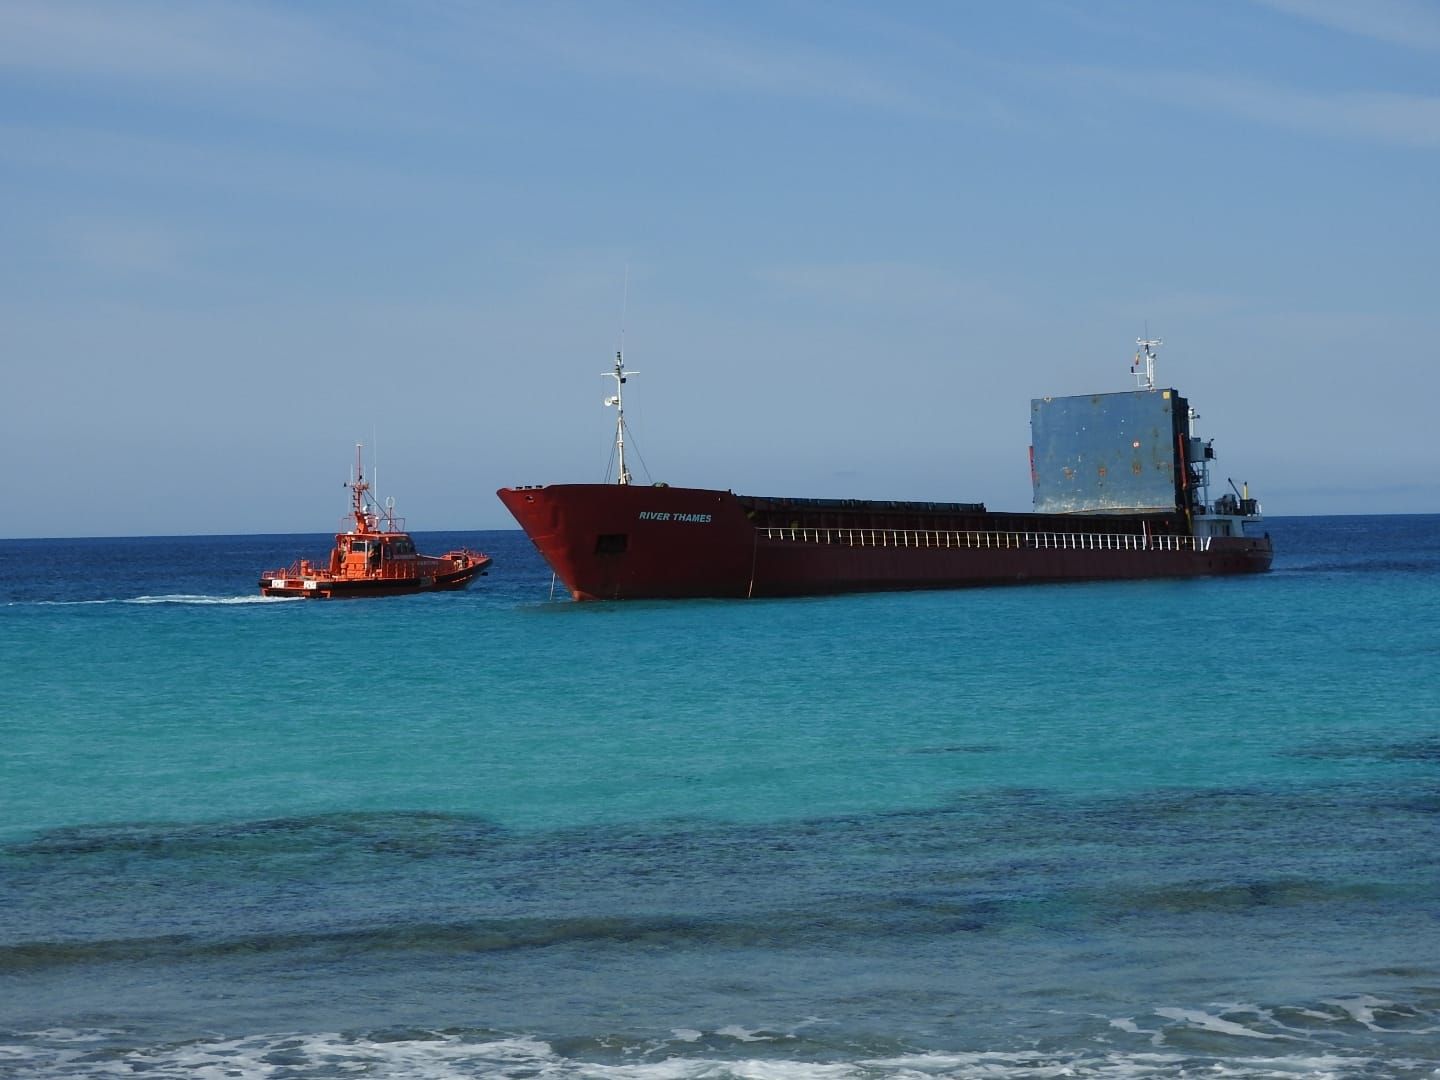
(1107, 453)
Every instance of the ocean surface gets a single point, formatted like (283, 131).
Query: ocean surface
(1157, 829)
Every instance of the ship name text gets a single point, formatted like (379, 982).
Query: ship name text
(665, 515)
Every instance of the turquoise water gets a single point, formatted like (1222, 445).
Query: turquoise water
(1131, 829)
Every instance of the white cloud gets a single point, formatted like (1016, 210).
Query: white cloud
(1395, 22)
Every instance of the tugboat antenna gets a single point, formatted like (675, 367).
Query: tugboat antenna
(618, 400)
(1144, 366)
(358, 488)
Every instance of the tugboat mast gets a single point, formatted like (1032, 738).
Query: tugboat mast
(618, 400)
(359, 488)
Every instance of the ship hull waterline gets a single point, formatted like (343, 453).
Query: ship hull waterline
(625, 542)
(324, 587)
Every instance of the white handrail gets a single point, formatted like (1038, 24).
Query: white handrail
(985, 538)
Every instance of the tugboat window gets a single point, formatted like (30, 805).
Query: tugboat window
(611, 543)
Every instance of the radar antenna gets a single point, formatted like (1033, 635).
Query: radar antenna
(618, 400)
(1144, 366)
(361, 517)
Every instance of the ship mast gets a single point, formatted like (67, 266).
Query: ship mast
(359, 512)
(1145, 359)
(618, 400)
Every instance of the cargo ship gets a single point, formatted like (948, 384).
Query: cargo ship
(1121, 488)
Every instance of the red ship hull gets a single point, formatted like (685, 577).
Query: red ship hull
(625, 542)
(425, 573)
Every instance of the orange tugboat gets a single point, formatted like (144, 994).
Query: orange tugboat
(375, 557)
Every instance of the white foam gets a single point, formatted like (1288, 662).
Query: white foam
(72, 1035)
(734, 1031)
(1217, 1024)
(60, 603)
(189, 598)
(1361, 1009)
(169, 598)
(1111, 1066)
(437, 1056)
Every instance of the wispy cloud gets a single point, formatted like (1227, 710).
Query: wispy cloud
(308, 174)
(723, 57)
(897, 285)
(755, 68)
(216, 47)
(120, 246)
(1395, 22)
(199, 43)
(1400, 119)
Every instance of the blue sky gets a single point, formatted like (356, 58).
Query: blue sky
(858, 238)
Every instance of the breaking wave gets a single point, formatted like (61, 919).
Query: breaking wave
(726, 1053)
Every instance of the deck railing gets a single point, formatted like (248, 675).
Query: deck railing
(978, 538)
